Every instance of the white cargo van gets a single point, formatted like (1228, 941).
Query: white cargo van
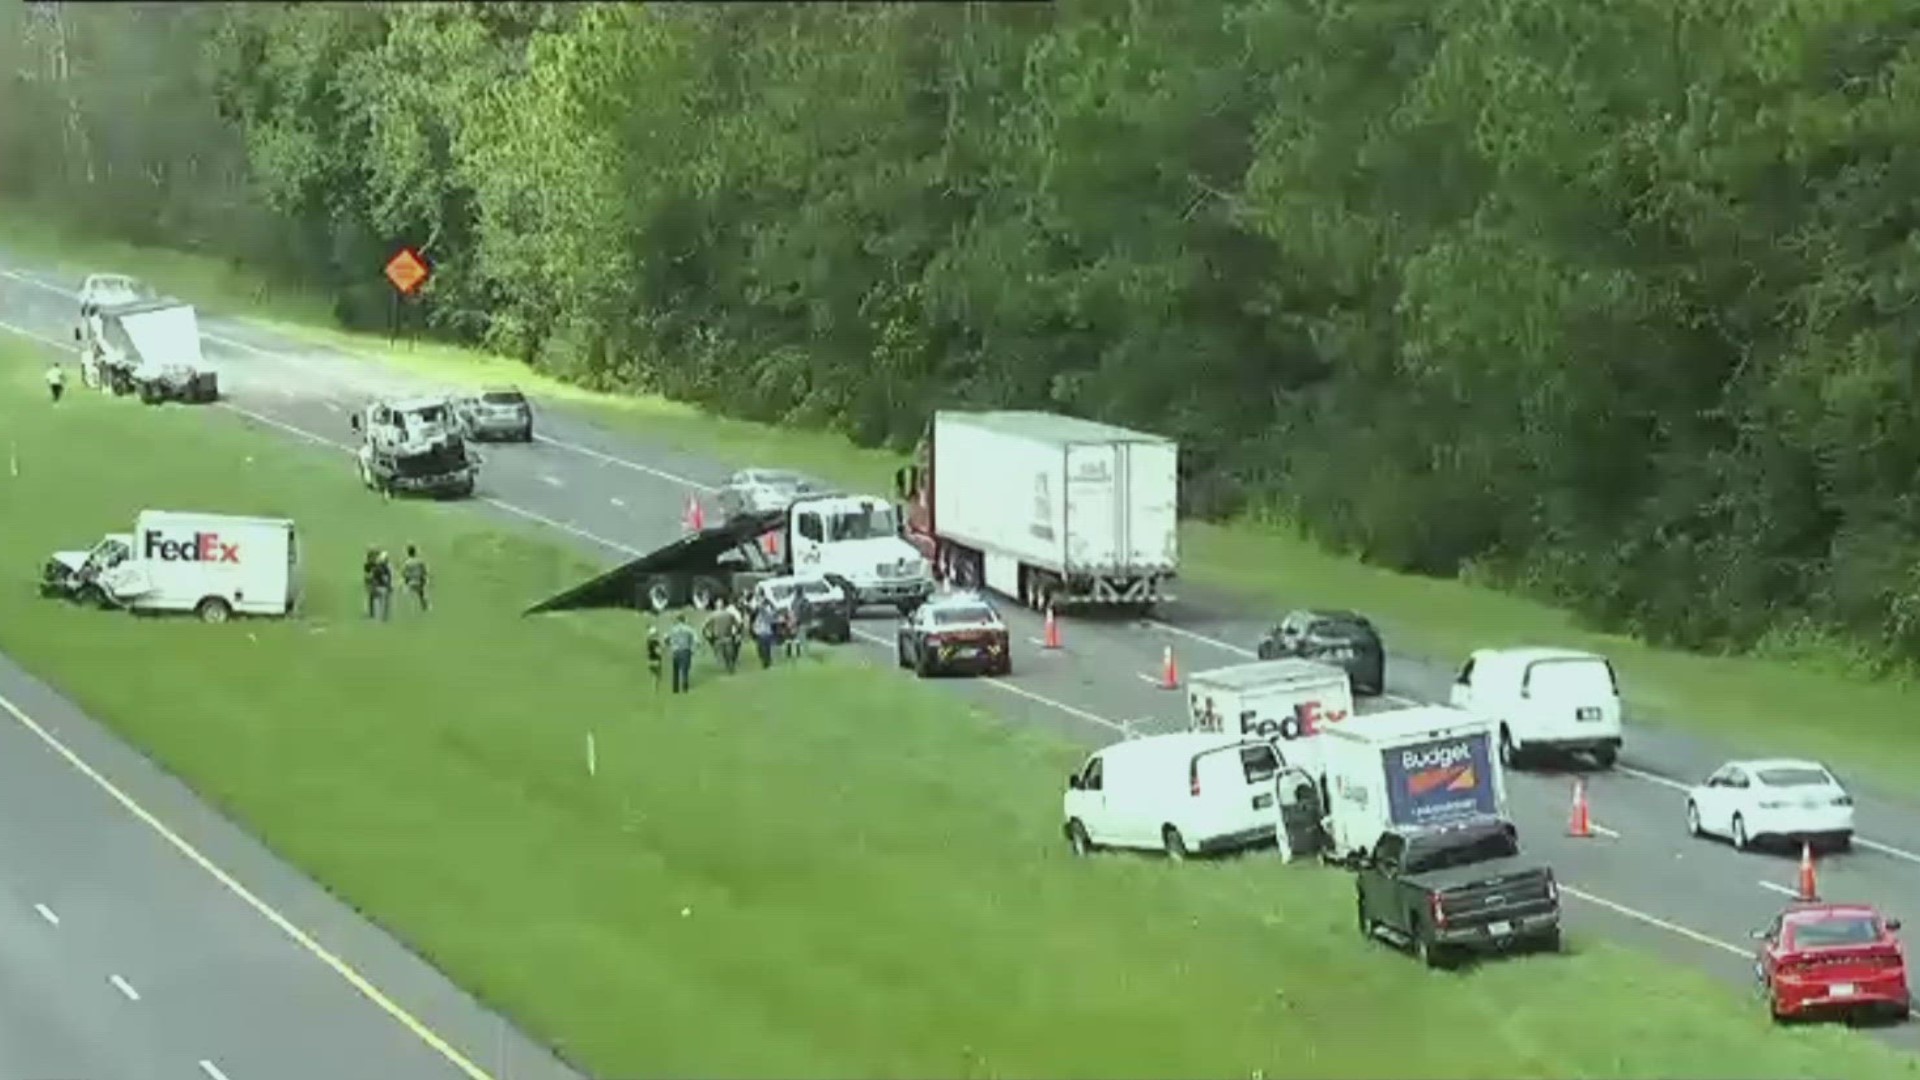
(1285, 701)
(1421, 766)
(1543, 701)
(213, 565)
(1183, 793)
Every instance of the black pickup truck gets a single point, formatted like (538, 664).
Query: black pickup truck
(1447, 890)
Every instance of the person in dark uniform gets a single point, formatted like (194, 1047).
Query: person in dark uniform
(378, 577)
(654, 654)
(413, 573)
(722, 631)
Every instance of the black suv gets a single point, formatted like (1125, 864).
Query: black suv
(1344, 639)
(1447, 890)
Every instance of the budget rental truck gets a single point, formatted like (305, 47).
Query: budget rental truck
(1049, 510)
(1287, 702)
(1420, 767)
(214, 565)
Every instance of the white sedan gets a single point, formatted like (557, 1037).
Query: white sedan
(1749, 802)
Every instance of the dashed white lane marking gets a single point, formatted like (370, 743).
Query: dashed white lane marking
(213, 1071)
(47, 914)
(1603, 830)
(1774, 886)
(1146, 678)
(125, 987)
(330, 405)
(615, 500)
(473, 1071)
(1654, 921)
(552, 481)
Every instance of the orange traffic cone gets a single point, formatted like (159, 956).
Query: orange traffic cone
(696, 518)
(1582, 823)
(1052, 639)
(1169, 672)
(1809, 881)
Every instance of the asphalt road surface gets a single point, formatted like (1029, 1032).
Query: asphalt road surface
(1642, 880)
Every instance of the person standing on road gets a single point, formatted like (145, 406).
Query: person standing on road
(763, 633)
(413, 572)
(722, 631)
(680, 642)
(56, 381)
(378, 576)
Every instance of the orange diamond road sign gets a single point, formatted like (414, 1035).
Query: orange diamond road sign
(408, 271)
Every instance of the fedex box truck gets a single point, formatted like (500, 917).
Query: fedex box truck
(1426, 765)
(1288, 702)
(214, 565)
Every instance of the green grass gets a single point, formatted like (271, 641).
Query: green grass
(824, 870)
(1805, 706)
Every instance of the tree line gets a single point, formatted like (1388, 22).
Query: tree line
(1612, 302)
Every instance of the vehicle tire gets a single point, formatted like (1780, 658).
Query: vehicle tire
(1738, 833)
(1841, 842)
(1693, 820)
(526, 434)
(657, 594)
(91, 596)
(1773, 1009)
(1548, 942)
(1077, 840)
(707, 593)
(1427, 951)
(1174, 844)
(1004, 668)
(213, 610)
(1366, 924)
(1268, 650)
(900, 653)
(464, 490)
(906, 608)
(1510, 755)
(1606, 756)
(923, 664)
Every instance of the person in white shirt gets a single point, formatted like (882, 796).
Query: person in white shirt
(56, 380)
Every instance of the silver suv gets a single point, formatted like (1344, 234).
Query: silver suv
(497, 413)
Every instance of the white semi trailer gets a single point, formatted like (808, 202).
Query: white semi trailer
(1047, 509)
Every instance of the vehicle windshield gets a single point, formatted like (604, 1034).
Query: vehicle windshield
(1837, 930)
(1440, 854)
(1583, 680)
(870, 524)
(107, 554)
(958, 616)
(775, 479)
(779, 594)
(504, 397)
(817, 588)
(1795, 777)
(1340, 629)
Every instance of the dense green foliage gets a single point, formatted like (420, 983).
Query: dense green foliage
(1610, 300)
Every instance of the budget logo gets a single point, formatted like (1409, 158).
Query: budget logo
(1441, 780)
(202, 547)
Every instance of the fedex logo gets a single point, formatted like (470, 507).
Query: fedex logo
(204, 547)
(1306, 721)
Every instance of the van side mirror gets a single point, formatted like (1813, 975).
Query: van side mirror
(1757, 935)
(900, 481)
(354, 421)
(1073, 781)
(77, 335)
(1893, 924)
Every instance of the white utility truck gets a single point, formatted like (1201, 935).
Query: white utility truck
(149, 347)
(1049, 510)
(214, 565)
(1410, 768)
(417, 446)
(1287, 702)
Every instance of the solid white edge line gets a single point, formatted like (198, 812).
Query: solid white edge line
(1651, 920)
(125, 987)
(47, 914)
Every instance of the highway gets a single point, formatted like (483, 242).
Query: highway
(1642, 880)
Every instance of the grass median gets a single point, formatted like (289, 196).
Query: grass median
(825, 870)
(1803, 707)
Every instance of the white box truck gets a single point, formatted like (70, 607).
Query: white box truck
(1046, 509)
(1288, 702)
(1416, 767)
(214, 565)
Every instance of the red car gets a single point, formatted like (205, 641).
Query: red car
(1832, 959)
